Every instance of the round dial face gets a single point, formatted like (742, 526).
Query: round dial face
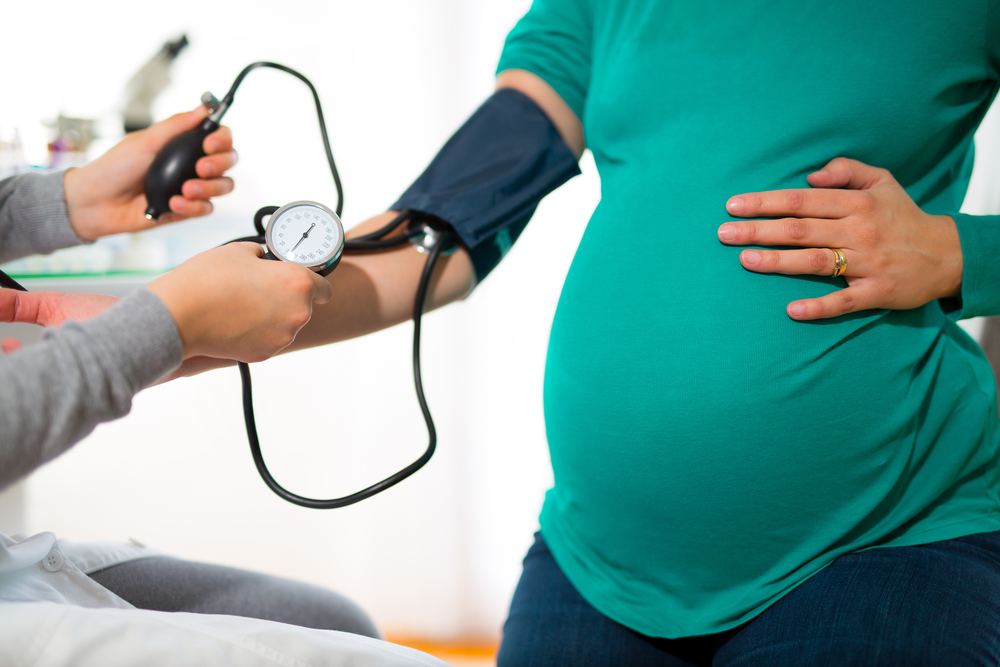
(305, 233)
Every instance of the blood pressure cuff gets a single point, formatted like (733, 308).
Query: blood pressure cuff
(488, 179)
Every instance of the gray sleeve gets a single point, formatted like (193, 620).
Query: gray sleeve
(33, 217)
(83, 373)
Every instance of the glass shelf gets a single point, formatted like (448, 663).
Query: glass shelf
(140, 256)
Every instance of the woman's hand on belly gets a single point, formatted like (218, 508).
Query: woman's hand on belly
(897, 256)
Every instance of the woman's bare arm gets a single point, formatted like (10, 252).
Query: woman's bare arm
(375, 291)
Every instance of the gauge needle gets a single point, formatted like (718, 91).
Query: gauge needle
(305, 235)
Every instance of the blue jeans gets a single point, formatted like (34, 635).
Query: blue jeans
(936, 604)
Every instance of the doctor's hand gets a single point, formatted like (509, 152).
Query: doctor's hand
(229, 304)
(898, 257)
(106, 196)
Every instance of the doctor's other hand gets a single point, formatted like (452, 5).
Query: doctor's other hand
(107, 195)
(48, 309)
(229, 304)
(898, 256)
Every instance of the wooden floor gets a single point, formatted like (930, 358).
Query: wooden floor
(468, 662)
(456, 654)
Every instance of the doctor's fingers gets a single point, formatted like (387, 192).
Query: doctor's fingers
(811, 261)
(219, 141)
(211, 166)
(51, 309)
(207, 188)
(305, 282)
(16, 306)
(323, 291)
(219, 154)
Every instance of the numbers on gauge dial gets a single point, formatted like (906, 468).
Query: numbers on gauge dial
(304, 235)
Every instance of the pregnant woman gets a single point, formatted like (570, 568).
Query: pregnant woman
(772, 443)
(789, 452)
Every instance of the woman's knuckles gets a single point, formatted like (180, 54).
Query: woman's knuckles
(839, 164)
(884, 294)
(820, 260)
(795, 229)
(863, 203)
(848, 301)
(878, 264)
(867, 232)
(794, 200)
(746, 232)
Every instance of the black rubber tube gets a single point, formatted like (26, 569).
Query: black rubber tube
(392, 480)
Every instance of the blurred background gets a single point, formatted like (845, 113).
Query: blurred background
(434, 560)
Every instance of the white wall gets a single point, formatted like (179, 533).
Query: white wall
(439, 555)
(983, 196)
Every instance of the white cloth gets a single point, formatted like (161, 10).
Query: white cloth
(41, 568)
(47, 634)
(53, 615)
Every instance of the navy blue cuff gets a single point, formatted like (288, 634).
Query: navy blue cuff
(488, 179)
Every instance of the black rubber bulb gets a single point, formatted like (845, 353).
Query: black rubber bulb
(173, 166)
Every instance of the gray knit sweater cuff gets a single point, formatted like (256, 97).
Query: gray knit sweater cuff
(54, 393)
(137, 341)
(33, 216)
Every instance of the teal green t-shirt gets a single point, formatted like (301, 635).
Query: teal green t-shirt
(710, 454)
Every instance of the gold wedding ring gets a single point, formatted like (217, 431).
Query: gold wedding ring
(840, 262)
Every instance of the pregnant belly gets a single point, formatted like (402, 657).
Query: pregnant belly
(679, 395)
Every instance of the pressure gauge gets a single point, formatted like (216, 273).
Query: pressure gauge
(306, 233)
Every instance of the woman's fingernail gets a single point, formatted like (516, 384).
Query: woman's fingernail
(727, 232)
(821, 172)
(735, 205)
(208, 169)
(796, 310)
(751, 257)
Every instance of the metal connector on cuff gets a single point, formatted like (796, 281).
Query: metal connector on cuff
(424, 235)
